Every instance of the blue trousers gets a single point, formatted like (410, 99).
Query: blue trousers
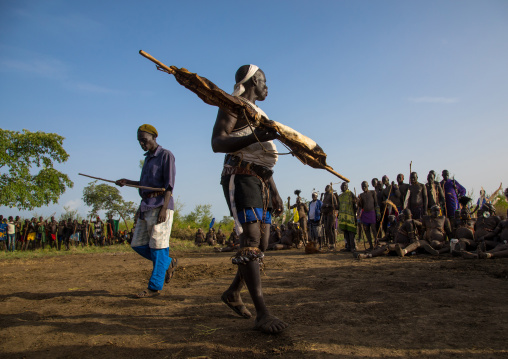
(161, 261)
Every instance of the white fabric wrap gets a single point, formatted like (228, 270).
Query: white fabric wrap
(148, 231)
(255, 153)
(239, 88)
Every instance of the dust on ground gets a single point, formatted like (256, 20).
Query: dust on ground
(82, 306)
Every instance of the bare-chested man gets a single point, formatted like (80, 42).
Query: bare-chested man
(387, 243)
(437, 231)
(250, 192)
(211, 239)
(497, 238)
(368, 205)
(288, 239)
(464, 232)
(403, 233)
(330, 205)
(41, 233)
(500, 234)
(303, 210)
(435, 194)
(84, 229)
(417, 202)
(407, 239)
(275, 234)
(221, 237)
(378, 188)
(53, 228)
(485, 224)
(231, 244)
(199, 239)
(403, 188)
(392, 194)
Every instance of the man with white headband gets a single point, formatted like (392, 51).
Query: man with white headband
(250, 192)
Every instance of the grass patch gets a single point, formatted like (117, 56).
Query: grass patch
(175, 245)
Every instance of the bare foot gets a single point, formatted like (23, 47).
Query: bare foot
(236, 304)
(270, 324)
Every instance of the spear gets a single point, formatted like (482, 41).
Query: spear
(128, 185)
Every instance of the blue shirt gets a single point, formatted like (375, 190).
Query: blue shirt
(3, 231)
(158, 171)
(317, 210)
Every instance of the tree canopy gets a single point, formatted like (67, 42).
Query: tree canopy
(27, 177)
(103, 197)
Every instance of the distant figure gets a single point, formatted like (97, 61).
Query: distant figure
(452, 190)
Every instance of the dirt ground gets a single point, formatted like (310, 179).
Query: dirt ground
(82, 306)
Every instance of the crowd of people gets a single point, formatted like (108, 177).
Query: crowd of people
(398, 218)
(32, 234)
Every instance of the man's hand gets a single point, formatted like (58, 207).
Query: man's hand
(265, 134)
(162, 215)
(277, 205)
(121, 182)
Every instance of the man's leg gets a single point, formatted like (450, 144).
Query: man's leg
(161, 261)
(376, 252)
(367, 228)
(250, 271)
(402, 251)
(303, 226)
(232, 296)
(352, 243)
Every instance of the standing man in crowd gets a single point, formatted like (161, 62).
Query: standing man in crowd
(53, 228)
(3, 233)
(250, 193)
(370, 212)
(347, 216)
(330, 205)
(452, 191)
(417, 202)
(41, 232)
(403, 188)
(153, 228)
(303, 210)
(11, 234)
(315, 218)
(435, 195)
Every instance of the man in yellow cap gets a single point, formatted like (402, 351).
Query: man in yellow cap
(153, 228)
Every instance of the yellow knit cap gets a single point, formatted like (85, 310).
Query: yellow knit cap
(148, 128)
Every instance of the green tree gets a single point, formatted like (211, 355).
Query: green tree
(70, 214)
(227, 224)
(28, 179)
(501, 204)
(200, 217)
(103, 197)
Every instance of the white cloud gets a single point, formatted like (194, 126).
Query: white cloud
(55, 70)
(50, 68)
(429, 99)
(73, 204)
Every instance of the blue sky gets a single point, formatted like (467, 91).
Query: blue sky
(376, 84)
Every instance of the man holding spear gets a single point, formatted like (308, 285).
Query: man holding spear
(153, 229)
(250, 192)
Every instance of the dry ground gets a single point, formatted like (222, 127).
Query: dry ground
(81, 306)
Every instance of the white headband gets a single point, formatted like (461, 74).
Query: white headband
(239, 88)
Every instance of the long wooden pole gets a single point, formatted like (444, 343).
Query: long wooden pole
(128, 185)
